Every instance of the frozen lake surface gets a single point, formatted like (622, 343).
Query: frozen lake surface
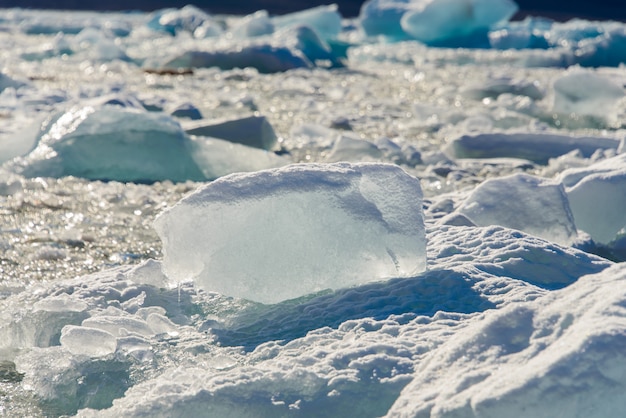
(418, 212)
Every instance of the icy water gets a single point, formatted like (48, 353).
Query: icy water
(94, 323)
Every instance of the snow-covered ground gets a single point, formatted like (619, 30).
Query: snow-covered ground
(420, 212)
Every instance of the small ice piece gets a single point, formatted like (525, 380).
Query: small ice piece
(173, 21)
(494, 87)
(111, 143)
(87, 341)
(6, 82)
(586, 93)
(265, 58)
(256, 24)
(160, 324)
(150, 273)
(284, 233)
(382, 18)
(354, 149)
(597, 196)
(60, 303)
(253, 131)
(10, 183)
(306, 40)
(118, 325)
(208, 29)
(186, 110)
(432, 21)
(217, 158)
(325, 20)
(536, 147)
(531, 204)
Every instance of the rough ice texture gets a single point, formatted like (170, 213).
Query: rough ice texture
(87, 341)
(597, 196)
(324, 353)
(559, 355)
(531, 204)
(281, 234)
(319, 354)
(536, 147)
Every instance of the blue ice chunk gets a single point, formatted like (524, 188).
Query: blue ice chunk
(173, 21)
(382, 18)
(281, 234)
(325, 20)
(435, 21)
(315, 49)
(111, 143)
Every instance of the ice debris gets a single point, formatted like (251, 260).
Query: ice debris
(253, 131)
(531, 204)
(536, 147)
(597, 196)
(285, 233)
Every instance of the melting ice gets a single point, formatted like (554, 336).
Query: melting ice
(415, 212)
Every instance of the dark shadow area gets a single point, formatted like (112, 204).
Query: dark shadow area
(433, 291)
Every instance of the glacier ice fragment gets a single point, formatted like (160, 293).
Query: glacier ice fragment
(284, 233)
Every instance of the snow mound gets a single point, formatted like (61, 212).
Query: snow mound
(560, 355)
(284, 233)
(509, 253)
(531, 204)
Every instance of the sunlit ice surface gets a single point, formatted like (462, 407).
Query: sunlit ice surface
(92, 322)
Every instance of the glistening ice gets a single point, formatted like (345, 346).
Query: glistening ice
(414, 212)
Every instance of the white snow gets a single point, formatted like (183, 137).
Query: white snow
(282, 234)
(555, 356)
(455, 275)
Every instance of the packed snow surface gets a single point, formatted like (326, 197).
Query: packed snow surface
(417, 212)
